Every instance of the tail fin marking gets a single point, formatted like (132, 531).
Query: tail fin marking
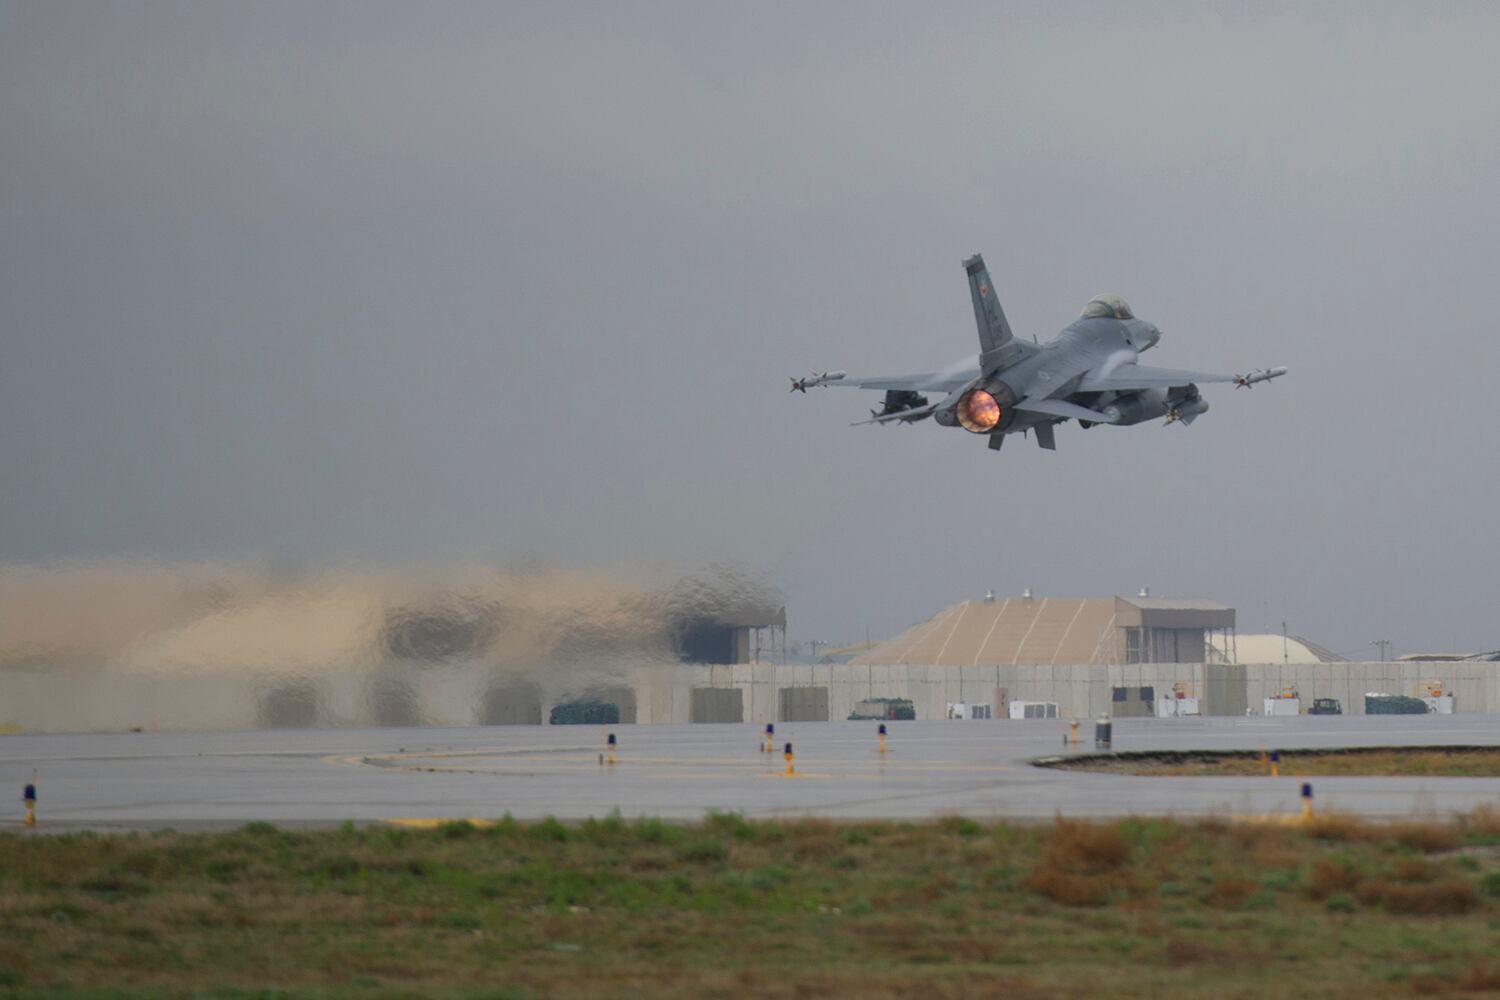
(994, 331)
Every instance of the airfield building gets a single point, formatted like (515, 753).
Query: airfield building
(211, 648)
(1051, 631)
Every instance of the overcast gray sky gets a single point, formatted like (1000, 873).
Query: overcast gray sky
(432, 283)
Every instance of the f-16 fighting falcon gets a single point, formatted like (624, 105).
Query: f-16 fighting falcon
(1088, 373)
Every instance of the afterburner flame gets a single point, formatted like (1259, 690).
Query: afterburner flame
(978, 412)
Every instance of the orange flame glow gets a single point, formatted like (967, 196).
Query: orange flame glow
(978, 412)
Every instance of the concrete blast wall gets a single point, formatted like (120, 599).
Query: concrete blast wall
(668, 692)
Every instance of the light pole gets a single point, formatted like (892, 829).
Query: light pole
(1384, 644)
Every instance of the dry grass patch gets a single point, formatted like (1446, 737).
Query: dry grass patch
(1091, 848)
(1336, 826)
(1332, 875)
(1230, 893)
(1440, 899)
(1080, 863)
(1196, 951)
(1480, 977)
(1430, 836)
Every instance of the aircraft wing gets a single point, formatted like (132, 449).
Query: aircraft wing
(1062, 408)
(945, 381)
(1126, 378)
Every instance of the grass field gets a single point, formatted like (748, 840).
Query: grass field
(732, 908)
(1458, 762)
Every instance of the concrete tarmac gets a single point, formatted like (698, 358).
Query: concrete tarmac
(976, 768)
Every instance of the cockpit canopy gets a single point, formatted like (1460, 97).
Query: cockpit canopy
(1107, 307)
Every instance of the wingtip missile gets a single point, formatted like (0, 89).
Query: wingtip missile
(1259, 375)
(803, 384)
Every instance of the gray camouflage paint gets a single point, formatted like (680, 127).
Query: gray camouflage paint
(1088, 373)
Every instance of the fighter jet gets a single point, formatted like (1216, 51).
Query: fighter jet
(1089, 373)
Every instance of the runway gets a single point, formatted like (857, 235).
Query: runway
(978, 769)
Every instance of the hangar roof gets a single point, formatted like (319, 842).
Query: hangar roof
(1038, 630)
(1269, 648)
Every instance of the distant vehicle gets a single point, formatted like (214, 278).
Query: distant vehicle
(1088, 373)
(1326, 706)
(1394, 704)
(884, 708)
(588, 712)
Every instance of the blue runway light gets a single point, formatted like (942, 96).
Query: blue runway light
(1307, 789)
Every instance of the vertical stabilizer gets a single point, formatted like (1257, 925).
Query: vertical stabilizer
(994, 331)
